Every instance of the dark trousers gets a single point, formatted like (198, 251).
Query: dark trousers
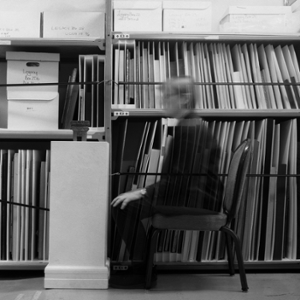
(132, 223)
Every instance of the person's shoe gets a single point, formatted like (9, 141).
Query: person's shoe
(133, 279)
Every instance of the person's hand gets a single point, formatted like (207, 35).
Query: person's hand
(125, 198)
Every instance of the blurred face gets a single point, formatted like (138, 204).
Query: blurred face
(177, 97)
(172, 104)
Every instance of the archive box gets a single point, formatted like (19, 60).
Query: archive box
(20, 24)
(73, 25)
(187, 16)
(255, 19)
(32, 107)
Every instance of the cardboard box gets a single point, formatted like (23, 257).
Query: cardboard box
(187, 16)
(137, 16)
(32, 107)
(73, 25)
(255, 19)
(17, 24)
(48, 5)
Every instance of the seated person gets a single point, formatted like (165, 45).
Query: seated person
(194, 140)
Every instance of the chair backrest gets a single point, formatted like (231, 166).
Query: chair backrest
(236, 178)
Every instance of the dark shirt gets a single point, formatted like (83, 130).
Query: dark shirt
(194, 151)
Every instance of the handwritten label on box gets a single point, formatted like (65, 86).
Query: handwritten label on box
(137, 20)
(131, 16)
(30, 76)
(9, 31)
(70, 31)
(252, 19)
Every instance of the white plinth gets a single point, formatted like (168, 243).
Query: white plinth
(78, 216)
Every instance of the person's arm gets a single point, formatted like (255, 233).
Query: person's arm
(154, 190)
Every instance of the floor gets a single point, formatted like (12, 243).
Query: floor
(269, 286)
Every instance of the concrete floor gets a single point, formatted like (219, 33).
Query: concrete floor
(169, 287)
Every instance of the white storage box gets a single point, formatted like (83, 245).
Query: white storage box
(17, 24)
(145, 16)
(73, 25)
(255, 19)
(32, 107)
(47, 5)
(187, 16)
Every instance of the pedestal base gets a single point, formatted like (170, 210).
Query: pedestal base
(76, 278)
(78, 216)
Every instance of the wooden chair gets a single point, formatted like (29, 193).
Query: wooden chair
(207, 220)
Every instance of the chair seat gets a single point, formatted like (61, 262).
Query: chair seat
(184, 218)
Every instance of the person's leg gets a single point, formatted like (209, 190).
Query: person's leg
(131, 227)
(130, 224)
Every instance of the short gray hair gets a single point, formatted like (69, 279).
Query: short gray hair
(179, 86)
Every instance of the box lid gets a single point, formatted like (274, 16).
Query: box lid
(186, 5)
(136, 4)
(15, 94)
(295, 6)
(32, 56)
(259, 10)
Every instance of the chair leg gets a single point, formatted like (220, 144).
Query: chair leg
(239, 257)
(229, 254)
(151, 250)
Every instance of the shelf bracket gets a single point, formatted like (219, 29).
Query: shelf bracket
(80, 129)
(101, 45)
